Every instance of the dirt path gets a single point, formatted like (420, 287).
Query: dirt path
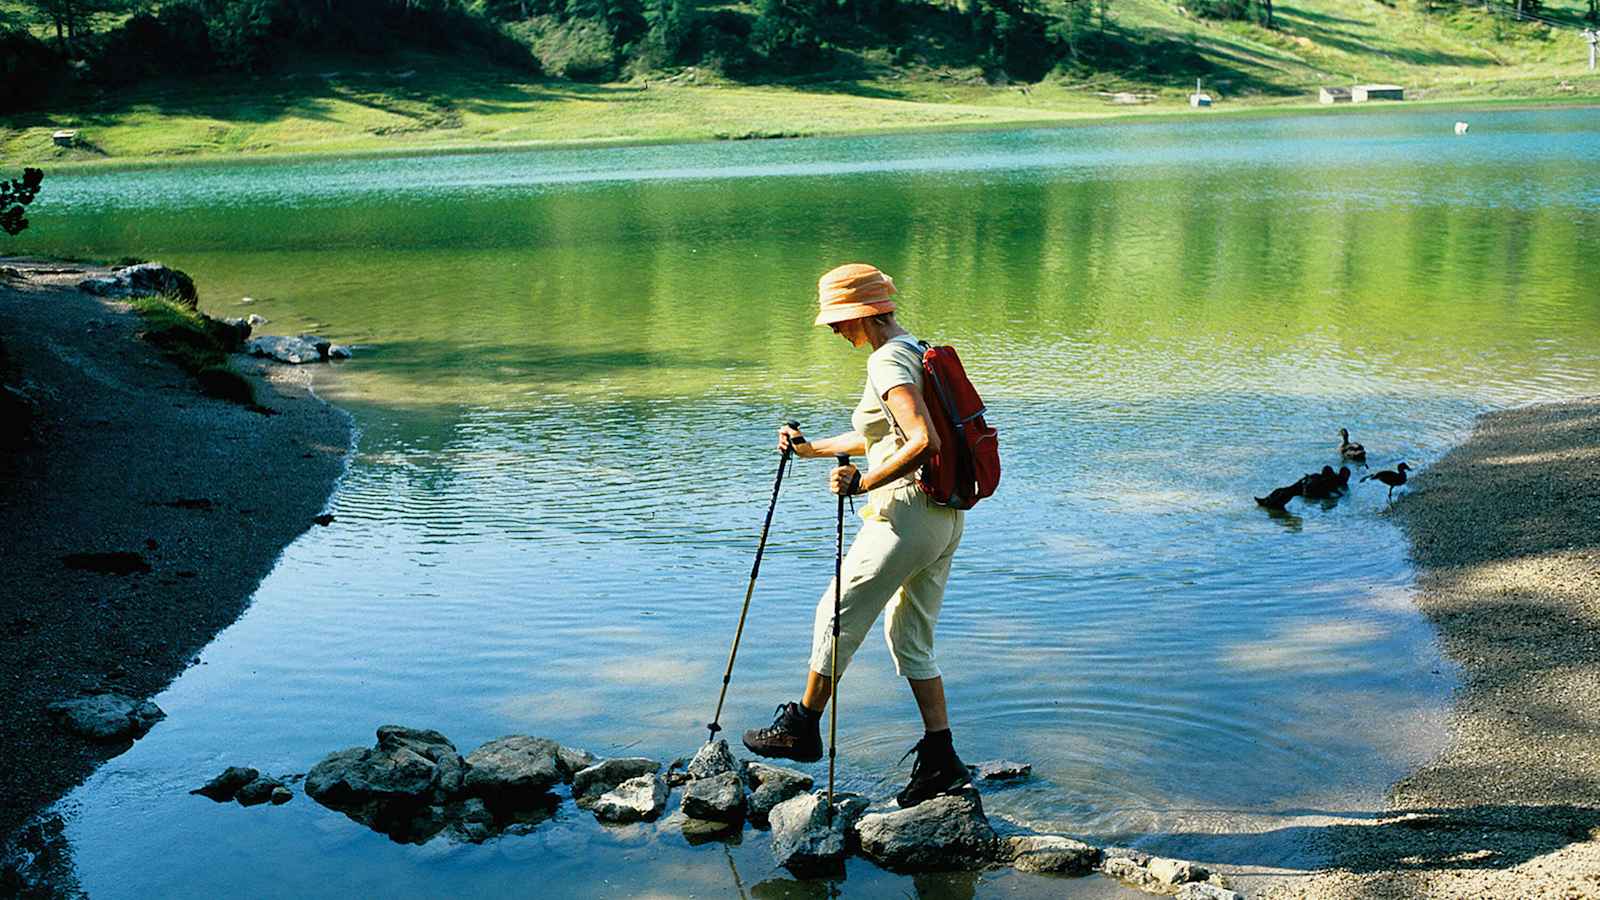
(123, 437)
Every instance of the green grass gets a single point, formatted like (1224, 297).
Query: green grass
(420, 103)
(192, 340)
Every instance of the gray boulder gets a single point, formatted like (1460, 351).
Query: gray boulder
(572, 760)
(107, 717)
(1201, 890)
(771, 785)
(223, 787)
(1051, 853)
(145, 280)
(719, 798)
(710, 760)
(339, 351)
(306, 348)
(1175, 871)
(590, 783)
(1128, 870)
(261, 790)
(804, 839)
(1138, 856)
(256, 319)
(642, 798)
(945, 833)
(513, 764)
(361, 775)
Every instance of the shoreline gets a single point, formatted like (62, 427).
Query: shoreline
(1065, 118)
(1505, 535)
(126, 454)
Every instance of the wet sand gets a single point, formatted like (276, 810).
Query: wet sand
(123, 436)
(1505, 532)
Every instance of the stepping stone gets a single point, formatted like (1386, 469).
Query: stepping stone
(641, 798)
(719, 798)
(590, 783)
(942, 834)
(1051, 853)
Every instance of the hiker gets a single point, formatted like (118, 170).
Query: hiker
(901, 556)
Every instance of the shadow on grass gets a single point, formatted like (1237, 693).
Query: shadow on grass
(1311, 25)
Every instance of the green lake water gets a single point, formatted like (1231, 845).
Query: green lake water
(569, 367)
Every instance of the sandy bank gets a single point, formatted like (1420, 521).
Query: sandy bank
(123, 435)
(1505, 531)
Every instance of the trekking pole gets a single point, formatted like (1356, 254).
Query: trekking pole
(761, 546)
(833, 665)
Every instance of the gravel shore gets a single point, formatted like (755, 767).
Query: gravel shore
(1505, 532)
(128, 456)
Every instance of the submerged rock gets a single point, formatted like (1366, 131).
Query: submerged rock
(772, 785)
(710, 760)
(223, 787)
(339, 351)
(590, 783)
(306, 348)
(719, 798)
(256, 319)
(1051, 853)
(1000, 770)
(513, 764)
(642, 798)
(107, 717)
(399, 787)
(805, 840)
(945, 833)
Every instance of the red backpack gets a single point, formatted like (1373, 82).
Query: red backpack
(967, 467)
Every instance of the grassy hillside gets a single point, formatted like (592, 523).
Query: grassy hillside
(408, 103)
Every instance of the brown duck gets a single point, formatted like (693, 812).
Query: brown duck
(1393, 478)
(1350, 450)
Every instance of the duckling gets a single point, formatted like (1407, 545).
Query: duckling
(1393, 479)
(1280, 497)
(1353, 452)
(1326, 483)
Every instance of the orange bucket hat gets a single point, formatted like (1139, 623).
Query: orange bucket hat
(853, 291)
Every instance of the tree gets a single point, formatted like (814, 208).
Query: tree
(15, 195)
(73, 19)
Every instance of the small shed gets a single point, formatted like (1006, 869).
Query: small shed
(1199, 99)
(1361, 93)
(1334, 95)
(65, 138)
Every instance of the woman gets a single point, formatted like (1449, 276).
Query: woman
(900, 558)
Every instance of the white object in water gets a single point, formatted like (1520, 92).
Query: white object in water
(1461, 128)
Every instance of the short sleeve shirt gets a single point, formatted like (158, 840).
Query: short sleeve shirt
(897, 362)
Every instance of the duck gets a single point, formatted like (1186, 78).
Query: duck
(1326, 483)
(1351, 451)
(1280, 497)
(1393, 478)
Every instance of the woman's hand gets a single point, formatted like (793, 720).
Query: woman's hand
(845, 480)
(792, 439)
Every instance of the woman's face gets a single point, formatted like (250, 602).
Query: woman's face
(851, 330)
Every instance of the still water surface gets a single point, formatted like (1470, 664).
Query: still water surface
(569, 369)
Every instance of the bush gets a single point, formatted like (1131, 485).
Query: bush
(578, 49)
(722, 42)
(177, 41)
(29, 69)
(786, 35)
(1237, 10)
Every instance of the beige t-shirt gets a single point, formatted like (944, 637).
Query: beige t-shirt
(897, 362)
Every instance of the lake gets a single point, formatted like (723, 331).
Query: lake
(569, 369)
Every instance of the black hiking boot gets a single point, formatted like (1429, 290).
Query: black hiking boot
(937, 770)
(794, 734)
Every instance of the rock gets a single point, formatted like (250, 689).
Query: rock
(1203, 891)
(286, 349)
(1051, 853)
(1175, 871)
(473, 821)
(677, 773)
(641, 798)
(571, 761)
(424, 742)
(719, 798)
(772, 785)
(260, 791)
(338, 351)
(945, 833)
(230, 333)
(1129, 871)
(408, 764)
(223, 787)
(590, 783)
(1000, 770)
(281, 795)
(107, 717)
(1139, 857)
(804, 841)
(513, 764)
(711, 759)
(145, 280)
(256, 319)
(12, 273)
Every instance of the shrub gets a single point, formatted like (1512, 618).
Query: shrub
(29, 69)
(579, 49)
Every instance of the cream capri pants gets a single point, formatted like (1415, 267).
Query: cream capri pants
(900, 559)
